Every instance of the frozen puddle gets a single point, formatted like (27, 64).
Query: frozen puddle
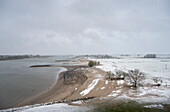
(90, 87)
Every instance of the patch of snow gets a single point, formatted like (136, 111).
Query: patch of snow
(77, 102)
(61, 107)
(75, 88)
(117, 91)
(106, 82)
(119, 87)
(151, 68)
(120, 82)
(114, 93)
(102, 87)
(90, 87)
(155, 106)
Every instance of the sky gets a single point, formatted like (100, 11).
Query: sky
(65, 27)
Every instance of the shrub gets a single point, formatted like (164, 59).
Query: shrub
(91, 63)
(110, 75)
(94, 62)
(120, 73)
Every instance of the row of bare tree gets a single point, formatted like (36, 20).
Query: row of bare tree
(134, 76)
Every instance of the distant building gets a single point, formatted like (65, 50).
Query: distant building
(150, 56)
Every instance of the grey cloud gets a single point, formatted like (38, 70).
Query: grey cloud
(84, 26)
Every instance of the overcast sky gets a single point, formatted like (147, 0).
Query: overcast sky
(84, 26)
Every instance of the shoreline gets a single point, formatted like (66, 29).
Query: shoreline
(47, 90)
(50, 95)
(96, 85)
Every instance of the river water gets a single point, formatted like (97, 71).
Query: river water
(18, 82)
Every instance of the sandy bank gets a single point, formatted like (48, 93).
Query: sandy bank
(95, 85)
(61, 90)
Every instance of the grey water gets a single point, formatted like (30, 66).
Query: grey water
(19, 82)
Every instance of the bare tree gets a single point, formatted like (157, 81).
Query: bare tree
(135, 77)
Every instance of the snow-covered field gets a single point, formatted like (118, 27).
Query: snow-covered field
(62, 107)
(58, 107)
(152, 68)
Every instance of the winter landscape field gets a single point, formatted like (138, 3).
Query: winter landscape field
(84, 55)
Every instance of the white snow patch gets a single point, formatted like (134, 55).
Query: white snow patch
(151, 68)
(117, 91)
(114, 93)
(75, 88)
(77, 102)
(119, 87)
(155, 106)
(106, 82)
(102, 87)
(61, 107)
(90, 87)
(120, 82)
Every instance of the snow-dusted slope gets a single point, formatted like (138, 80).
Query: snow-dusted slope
(46, 107)
(61, 107)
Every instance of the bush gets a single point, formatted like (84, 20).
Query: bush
(120, 73)
(91, 63)
(110, 74)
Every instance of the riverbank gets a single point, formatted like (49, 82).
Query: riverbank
(71, 83)
(81, 81)
(60, 91)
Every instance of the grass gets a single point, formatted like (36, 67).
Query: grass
(130, 106)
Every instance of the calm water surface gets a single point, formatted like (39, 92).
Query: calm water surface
(18, 82)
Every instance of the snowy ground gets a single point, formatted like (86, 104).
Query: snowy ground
(62, 107)
(152, 68)
(90, 87)
(58, 107)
